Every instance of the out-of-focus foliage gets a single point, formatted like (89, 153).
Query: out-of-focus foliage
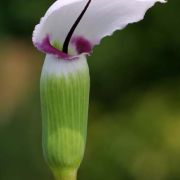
(18, 17)
(134, 119)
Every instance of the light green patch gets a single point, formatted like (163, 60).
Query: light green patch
(57, 45)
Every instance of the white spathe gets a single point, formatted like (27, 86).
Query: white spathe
(101, 19)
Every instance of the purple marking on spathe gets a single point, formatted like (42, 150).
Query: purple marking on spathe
(46, 47)
(81, 44)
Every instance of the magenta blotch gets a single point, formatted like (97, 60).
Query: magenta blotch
(81, 44)
(46, 47)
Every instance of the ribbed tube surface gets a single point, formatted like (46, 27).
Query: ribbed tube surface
(64, 101)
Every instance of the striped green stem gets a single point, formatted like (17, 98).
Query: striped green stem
(64, 101)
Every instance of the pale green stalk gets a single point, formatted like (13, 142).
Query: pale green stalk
(64, 101)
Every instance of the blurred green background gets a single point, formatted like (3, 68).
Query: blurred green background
(134, 119)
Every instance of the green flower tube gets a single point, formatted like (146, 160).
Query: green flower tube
(64, 93)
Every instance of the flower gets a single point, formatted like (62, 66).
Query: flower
(73, 27)
(69, 30)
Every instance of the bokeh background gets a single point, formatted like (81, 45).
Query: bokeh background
(134, 119)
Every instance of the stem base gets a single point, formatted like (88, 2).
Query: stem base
(65, 174)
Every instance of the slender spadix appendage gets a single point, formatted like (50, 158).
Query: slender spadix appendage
(64, 101)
